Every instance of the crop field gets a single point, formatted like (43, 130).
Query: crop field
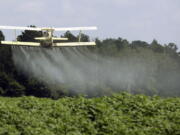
(120, 114)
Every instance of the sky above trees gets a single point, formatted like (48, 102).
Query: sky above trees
(131, 19)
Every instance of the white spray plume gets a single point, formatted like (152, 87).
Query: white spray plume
(83, 69)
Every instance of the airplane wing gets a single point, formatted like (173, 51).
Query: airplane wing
(75, 28)
(74, 44)
(20, 28)
(14, 43)
(45, 28)
(35, 44)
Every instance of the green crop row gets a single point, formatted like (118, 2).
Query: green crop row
(120, 114)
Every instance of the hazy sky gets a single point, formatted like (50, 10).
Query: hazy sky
(131, 19)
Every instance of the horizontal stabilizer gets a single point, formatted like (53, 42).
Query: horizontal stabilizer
(56, 38)
(53, 38)
(20, 43)
(75, 44)
(41, 38)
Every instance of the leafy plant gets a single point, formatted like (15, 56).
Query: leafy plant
(123, 114)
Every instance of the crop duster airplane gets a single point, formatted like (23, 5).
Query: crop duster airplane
(47, 40)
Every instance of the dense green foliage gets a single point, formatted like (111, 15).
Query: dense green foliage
(120, 114)
(161, 79)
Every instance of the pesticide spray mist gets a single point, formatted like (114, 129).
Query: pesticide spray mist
(82, 70)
